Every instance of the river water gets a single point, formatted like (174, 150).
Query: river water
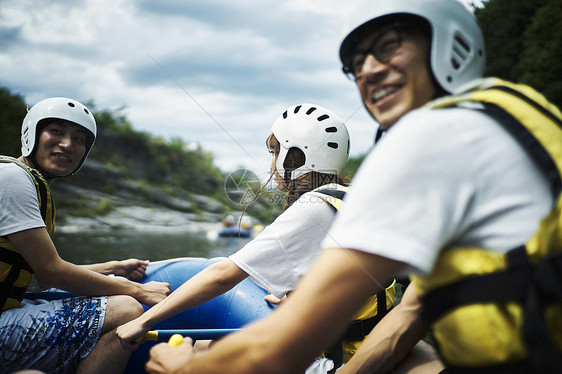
(93, 247)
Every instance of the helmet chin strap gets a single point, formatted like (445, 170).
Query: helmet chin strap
(379, 133)
(30, 161)
(287, 177)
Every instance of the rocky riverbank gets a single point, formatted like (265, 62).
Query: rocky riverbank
(102, 200)
(141, 218)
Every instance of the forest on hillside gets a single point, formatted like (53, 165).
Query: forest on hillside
(523, 43)
(129, 162)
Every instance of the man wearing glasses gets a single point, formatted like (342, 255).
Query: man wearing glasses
(452, 194)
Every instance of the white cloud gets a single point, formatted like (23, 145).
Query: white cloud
(212, 72)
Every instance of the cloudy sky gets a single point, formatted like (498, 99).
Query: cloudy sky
(215, 73)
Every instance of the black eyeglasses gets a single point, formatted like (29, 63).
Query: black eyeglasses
(385, 45)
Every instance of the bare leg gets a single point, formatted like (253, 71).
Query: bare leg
(422, 359)
(108, 355)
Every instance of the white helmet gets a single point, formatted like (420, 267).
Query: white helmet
(319, 133)
(57, 108)
(457, 44)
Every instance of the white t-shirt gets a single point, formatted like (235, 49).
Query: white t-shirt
(442, 179)
(282, 253)
(19, 204)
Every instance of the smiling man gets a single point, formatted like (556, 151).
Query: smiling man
(403, 81)
(61, 148)
(454, 194)
(74, 334)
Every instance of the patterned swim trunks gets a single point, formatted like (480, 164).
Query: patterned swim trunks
(51, 336)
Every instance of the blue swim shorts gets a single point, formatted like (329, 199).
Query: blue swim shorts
(51, 336)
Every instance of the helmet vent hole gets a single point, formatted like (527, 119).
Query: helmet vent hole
(71, 105)
(456, 65)
(461, 43)
(461, 51)
(297, 108)
(449, 78)
(323, 117)
(285, 114)
(331, 129)
(86, 111)
(308, 112)
(333, 145)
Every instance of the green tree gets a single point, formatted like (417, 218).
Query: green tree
(523, 39)
(541, 60)
(144, 157)
(352, 165)
(12, 112)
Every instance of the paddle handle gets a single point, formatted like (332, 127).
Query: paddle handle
(195, 334)
(175, 340)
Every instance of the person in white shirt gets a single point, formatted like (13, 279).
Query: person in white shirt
(448, 175)
(73, 334)
(310, 146)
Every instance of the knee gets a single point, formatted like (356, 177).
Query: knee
(122, 309)
(128, 306)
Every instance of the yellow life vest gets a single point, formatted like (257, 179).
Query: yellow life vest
(15, 272)
(376, 307)
(491, 312)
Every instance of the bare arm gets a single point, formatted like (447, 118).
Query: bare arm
(132, 268)
(204, 286)
(391, 339)
(310, 320)
(36, 247)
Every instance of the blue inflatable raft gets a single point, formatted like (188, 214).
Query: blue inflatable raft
(235, 232)
(234, 309)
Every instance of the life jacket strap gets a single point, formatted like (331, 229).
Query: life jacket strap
(534, 286)
(336, 355)
(356, 331)
(333, 193)
(7, 288)
(338, 194)
(8, 291)
(15, 259)
(510, 284)
(529, 142)
(379, 134)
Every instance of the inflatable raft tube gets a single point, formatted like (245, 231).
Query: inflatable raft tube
(234, 309)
